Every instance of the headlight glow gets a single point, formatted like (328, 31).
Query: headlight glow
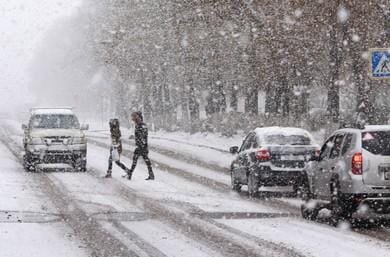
(36, 141)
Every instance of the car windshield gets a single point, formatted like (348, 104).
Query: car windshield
(279, 139)
(376, 142)
(54, 121)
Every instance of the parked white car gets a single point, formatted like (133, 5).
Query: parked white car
(351, 173)
(54, 136)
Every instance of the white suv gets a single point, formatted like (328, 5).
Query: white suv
(54, 136)
(351, 173)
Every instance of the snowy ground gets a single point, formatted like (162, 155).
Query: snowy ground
(30, 225)
(187, 211)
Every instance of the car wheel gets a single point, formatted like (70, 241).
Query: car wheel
(302, 189)
(337, 204)
(234, 182)
(81, 167)
(309, 210)
(253, 185)
(80, 164)
(28, 163)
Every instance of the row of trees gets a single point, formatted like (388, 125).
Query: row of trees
(186, 63)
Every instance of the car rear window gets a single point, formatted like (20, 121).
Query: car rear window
(278, 139)
(376, 142)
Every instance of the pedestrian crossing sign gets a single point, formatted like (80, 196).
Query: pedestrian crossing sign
(380, 63)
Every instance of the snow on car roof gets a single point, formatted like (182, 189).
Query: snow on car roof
(367, 128)
(286, 131)
(376, 127)
(281, 130)
(40, 111)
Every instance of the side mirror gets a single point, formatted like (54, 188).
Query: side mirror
(24, 127)
(84, 127)
(233, 149)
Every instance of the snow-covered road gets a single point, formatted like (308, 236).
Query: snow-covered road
(175, 215)
(30, 224)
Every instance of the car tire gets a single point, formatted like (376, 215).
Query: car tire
(309, 209)
(80, 163)
(28, 163)
(81, 167)
(253, 185)
(309, 212)
(302, 189)
(236, 186)
(338, 205)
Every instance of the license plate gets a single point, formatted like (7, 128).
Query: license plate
(387, 175)
(292, 158)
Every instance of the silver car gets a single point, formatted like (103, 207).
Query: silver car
(351, 173)
(54, 136)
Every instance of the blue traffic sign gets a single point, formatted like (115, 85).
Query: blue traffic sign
(380, 63)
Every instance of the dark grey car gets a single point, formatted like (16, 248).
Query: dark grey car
(272, 156)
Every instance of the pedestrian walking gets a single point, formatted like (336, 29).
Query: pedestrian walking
(115, 148)
(141, 143)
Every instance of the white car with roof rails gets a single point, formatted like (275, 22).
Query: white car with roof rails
(54, 136)
(351, 174)
(272, 156)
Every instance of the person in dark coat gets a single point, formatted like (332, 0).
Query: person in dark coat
(116, 145)
(141, 143)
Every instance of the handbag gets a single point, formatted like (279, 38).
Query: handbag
(115, 154)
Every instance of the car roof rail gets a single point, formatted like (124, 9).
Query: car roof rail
(51, 108)
(356, 125)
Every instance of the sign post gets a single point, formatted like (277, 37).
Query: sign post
(379, 63)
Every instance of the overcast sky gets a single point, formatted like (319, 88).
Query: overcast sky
(23, 24)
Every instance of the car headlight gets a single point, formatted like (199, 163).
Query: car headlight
(79, 140)
(35, 141)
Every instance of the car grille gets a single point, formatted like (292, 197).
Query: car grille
(56, 140)
(57, 157)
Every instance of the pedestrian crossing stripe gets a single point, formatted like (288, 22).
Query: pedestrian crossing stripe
(380, 63)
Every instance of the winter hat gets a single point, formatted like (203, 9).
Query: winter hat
(139, 114)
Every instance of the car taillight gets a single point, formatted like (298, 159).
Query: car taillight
(317, 152)
(263, 155)
(357, 164)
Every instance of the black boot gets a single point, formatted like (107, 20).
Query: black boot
(151, 174)
(128, 175)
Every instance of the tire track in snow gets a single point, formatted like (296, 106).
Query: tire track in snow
(211, 183)
(99, 241)
(381, 233)
(224, 239)
(185, 157)
(106, 133)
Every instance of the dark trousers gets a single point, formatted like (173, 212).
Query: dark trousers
(145, 154)
(119, 163)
